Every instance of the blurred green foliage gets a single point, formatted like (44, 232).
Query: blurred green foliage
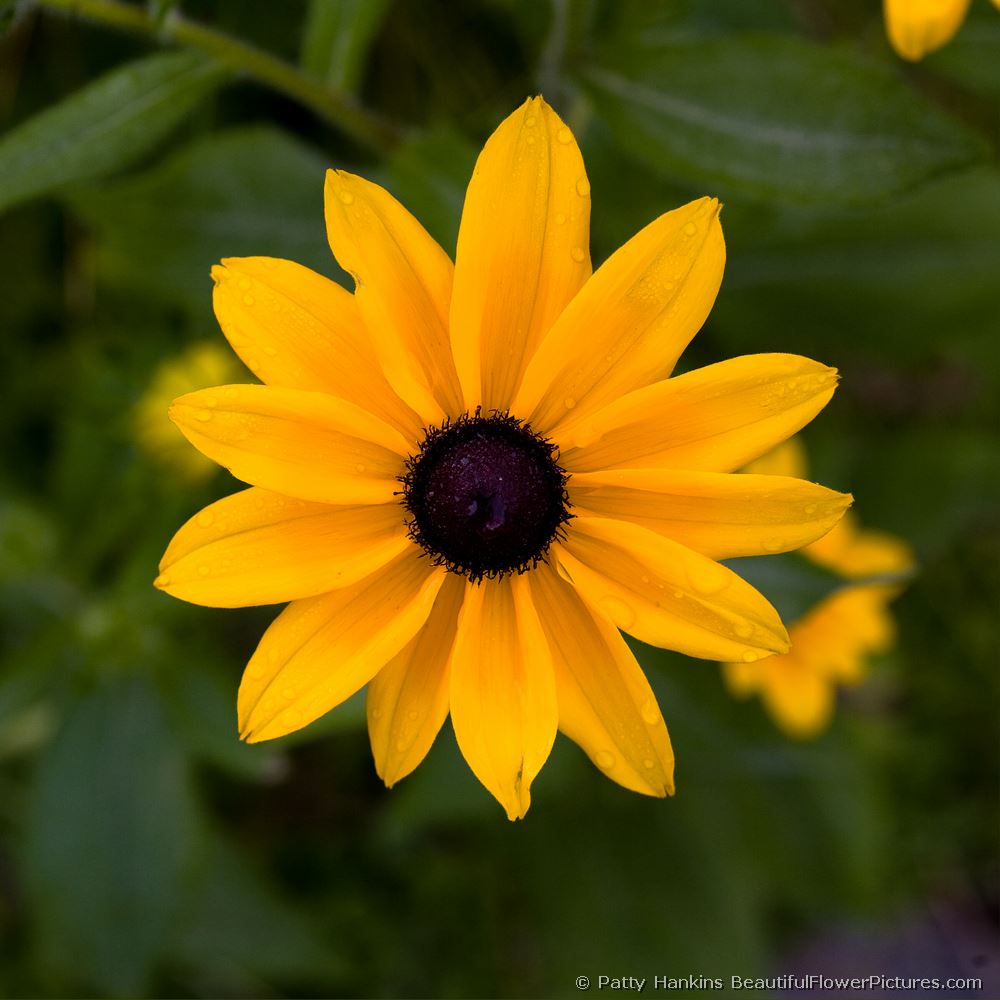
(143, 849)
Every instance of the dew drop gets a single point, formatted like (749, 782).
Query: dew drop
(650, 713)
(743, 630)
(649, 763)
(376, 713)
(203, 415)
(270, 351)
(248, 300)
(413, 715)
(564, 136)
(690, 229)
(204, 569)
(772, 544)
(400, 746)
(346, 197)
(751, 656)
(205, 519)
(583, 187)
(560, 218)
(359, 468)
(211, 402)
(605, 760)
(569, 402)
(810, 508)
(244, 284)
(577, 253)
(530, 121)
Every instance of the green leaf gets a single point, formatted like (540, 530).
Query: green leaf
(774, 117)
(107, 842)
(107, 125)
(336, 39)
(241, 936)
(240, 193)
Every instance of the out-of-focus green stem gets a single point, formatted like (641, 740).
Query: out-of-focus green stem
(237, 55)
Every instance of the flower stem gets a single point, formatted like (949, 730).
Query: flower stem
(239, 56)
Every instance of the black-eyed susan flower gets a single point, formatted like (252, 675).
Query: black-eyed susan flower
(833, 641)
(468, 478)
(917, 27)
(200, 365)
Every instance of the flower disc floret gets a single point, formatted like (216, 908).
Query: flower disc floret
(485, 496)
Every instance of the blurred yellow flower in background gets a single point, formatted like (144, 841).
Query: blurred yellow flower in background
(200, 365)
(467, 478)
(917, 27)
(831, 643)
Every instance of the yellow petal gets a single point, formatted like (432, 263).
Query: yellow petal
(916, 27)
(296, 329)
(320, 650)
(605, 702)
(408, 697)
(402, 288)
(857, 552)
(714, 419)
(800, 700)
(718, 514)
(630, 322)
(831, 644)
(258, 547)
(667, 595)
(523, 250)
(788, 459)
(303, 444)
(503, 696)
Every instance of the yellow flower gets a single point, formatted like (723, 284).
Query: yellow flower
(467, 478)
(200, 365)
(916, 27)
(832, 641)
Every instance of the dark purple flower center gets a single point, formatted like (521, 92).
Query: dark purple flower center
(485, 496)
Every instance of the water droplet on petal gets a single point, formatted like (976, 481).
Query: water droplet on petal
(346, 197)
(583, 187)
(244, 284)
(204, 569)
(203, 415)
(376, 713)
(564, 136)
(650, 713)
(359, 468)
(605, 760)
(772, 544)
(413, 715)
(744, 630)
(649, 763)
(270, 351)
(205, 519)
(569, 402)
(400, 746)
(810, 508)
(690, 229)
(560, 218)
(578, 254)
(751, 656)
